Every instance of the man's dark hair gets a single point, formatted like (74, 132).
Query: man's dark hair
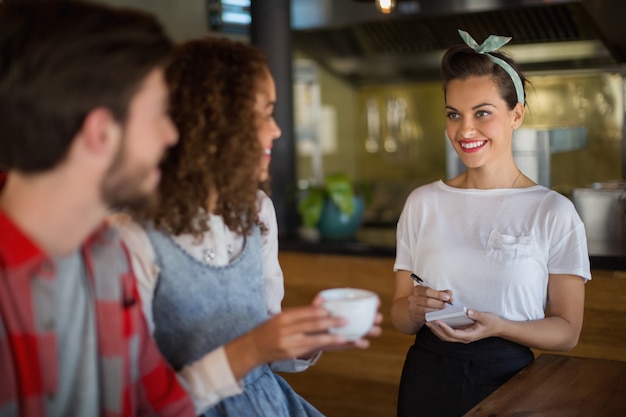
(58, 61)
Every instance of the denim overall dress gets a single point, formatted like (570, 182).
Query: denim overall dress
(198, 307)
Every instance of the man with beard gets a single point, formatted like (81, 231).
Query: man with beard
(83, 125)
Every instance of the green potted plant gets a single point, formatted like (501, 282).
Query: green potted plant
(334, 208)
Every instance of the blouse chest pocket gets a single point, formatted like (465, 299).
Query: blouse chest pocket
(508, 249)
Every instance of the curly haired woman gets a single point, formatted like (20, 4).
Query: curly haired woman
(206, 257)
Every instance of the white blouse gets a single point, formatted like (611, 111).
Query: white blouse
(220, 246)
(210, 379)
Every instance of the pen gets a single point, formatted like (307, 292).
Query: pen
(424, 283)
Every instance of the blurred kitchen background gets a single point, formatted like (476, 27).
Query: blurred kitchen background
(359, 94)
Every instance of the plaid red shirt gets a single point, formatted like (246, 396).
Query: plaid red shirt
(134, 379)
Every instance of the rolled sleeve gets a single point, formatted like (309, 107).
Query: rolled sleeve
(210, 380)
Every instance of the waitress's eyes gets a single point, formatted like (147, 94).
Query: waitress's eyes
(478, 114)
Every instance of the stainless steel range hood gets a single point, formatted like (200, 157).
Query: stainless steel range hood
(355, 41)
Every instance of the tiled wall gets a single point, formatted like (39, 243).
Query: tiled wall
(595, 100)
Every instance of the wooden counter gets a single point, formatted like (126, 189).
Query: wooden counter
(365, 383)
(560, 386)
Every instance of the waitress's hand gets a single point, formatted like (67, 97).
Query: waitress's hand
(486, 325)
(424, 299)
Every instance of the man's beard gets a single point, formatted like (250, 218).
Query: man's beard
(122, 185)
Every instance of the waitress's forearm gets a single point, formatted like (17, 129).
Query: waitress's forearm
(400, 317)
(552, 333)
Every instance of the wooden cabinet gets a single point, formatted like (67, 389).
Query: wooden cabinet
(364, 383)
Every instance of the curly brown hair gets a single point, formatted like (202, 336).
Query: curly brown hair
(213, 83)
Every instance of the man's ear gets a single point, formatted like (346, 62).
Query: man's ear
(100, 133)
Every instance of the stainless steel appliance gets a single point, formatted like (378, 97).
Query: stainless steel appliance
(602, 208)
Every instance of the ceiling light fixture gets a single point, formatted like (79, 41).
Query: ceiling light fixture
(385, 6)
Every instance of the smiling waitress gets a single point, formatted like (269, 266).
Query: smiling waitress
(514, 251)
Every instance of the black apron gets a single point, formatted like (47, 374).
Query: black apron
(446, 379)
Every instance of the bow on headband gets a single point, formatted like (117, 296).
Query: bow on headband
(493, 43)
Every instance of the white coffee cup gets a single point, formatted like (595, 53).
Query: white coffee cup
(356, 305)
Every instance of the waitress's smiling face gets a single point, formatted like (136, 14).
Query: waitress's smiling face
(478, 120)
(268, 129)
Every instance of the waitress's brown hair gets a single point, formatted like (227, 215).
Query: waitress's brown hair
(461, 62)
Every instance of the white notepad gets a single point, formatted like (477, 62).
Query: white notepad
(454, 315)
